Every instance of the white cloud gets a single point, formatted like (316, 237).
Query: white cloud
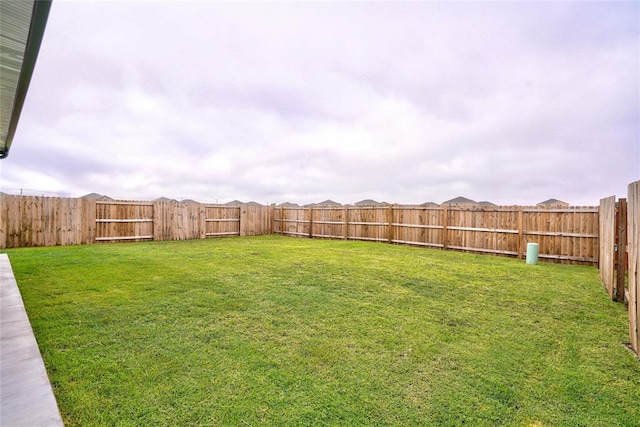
(405, 102)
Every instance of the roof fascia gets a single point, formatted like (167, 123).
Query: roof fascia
(37, 26)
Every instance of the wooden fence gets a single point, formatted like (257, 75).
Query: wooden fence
(568, 235)
(613, 246)
(633, 244)
(620, 254)
(52, 221)
(45, 221)
(564, 235)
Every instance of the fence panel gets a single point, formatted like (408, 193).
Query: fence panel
(44, 221)
(607, 232)
(368, 223)
(633, 242)
(295, 221)
(328, 222)
(122, 220)
(564, 235)
(221, 221)
(491, 230)
(180, 220)
(255, 220)
(417, 225)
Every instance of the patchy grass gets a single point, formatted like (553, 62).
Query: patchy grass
(284, 331)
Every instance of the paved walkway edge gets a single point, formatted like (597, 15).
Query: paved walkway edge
(26, 396)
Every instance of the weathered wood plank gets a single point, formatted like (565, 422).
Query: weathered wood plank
(621, 249)
(633, 243)
(607, 242)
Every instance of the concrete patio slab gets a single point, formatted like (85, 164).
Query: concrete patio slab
(26, 397)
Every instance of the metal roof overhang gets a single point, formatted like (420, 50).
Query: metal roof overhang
(22, 24)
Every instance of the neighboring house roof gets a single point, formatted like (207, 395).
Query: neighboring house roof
(164, 199)
(253, 204)
(485, 203)
(429, 204)
(367, 202)
(22, 25)
(91, 196)
(328, 202)
(96, 196)
(553, 202)
(460, 201)
(288, 205)
(234, 203)
(189, 201)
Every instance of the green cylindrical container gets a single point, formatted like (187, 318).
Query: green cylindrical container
(532, 253)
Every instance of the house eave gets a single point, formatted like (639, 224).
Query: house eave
(19, 55)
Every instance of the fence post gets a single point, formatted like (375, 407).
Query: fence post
(621, 258)
(633, 241)
(424, 221)
(202, 221)
(390, 222)
(270, 215)
(311, 222)
(520, 243)
(445, 220)
(346, 222)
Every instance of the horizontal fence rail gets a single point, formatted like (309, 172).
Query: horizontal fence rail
(567, 235)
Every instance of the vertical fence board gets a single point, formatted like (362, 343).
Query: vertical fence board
(606, 219)
(14, 222)
(3, 220)
(621, 245)
(633, 243)
(89, 220)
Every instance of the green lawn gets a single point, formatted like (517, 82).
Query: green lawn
(282, 331)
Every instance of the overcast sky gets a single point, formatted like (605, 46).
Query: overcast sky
(513, 103)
